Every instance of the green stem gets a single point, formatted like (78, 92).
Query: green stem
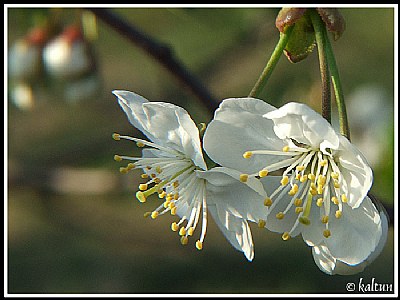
(320, 37)
(266, 73)
(337, 87)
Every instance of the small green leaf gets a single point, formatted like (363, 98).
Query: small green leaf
(302, 40)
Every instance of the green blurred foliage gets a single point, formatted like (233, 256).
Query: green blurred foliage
(71, 243)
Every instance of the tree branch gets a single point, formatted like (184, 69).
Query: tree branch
(160, 52)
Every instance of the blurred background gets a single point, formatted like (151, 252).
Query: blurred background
(74, 225)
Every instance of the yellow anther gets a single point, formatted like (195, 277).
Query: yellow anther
(184, 240)
(335, 200)
(261, 223)
(313, 191)
(320, 189)
(182, 231)
(298, 202)
(285, 149)
(154, 214)
(131, 166)
(303, 178)
(285, 236)
(247, 154)
(117, 157)
(146, 214)
(116, 136)
(338, 214)
(123, 170)
(141, 196)
(280, 215)
(298, 210)
(176, 196)
(144, 176)
(327, 233)
(173, 210)
(140, 144)
(344, 198)
(323, 162)
(300, 168)
(298, 176)
(311, 177)
(175, 184)
(293, 190)
(243, 177)
(304, 220)
(267, 201)
(263, 173)
(199, 245)
(190, 231)
(162, 194)
(321, 179)
(336, 184)
(157, 180)
(143, 186)
(174, 226)
(166, 203)
(284, 180)
(171, 205)
(325, 219)
(158, 169)
(320, 201)
(335, 175)
(152, 175)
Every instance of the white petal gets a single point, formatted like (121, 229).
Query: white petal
(357, 234)
(313, 233)
(332, 265)
(163, 123)
(235, 229)
(301, 123)
(357, 174)
(280, 204)
(232, 203)
(244, 200)
(237, 127)
(131, 104)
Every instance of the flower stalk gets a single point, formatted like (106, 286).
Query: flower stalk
(275, 56)
(321, 37)
(337, 87)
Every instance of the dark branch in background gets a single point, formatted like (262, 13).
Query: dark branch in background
(160, 52)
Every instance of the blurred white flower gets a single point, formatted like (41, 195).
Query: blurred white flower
(372, 116)
(22, 96)
(68, 55)
(25, 55)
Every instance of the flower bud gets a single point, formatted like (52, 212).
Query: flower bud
(288, 16)
(333, 20)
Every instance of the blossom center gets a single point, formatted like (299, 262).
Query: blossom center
(170, 175)
(309, 177)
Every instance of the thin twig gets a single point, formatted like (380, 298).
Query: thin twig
(160, 52)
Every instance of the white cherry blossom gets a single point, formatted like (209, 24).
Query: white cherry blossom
(316, 181)
(175, 170)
